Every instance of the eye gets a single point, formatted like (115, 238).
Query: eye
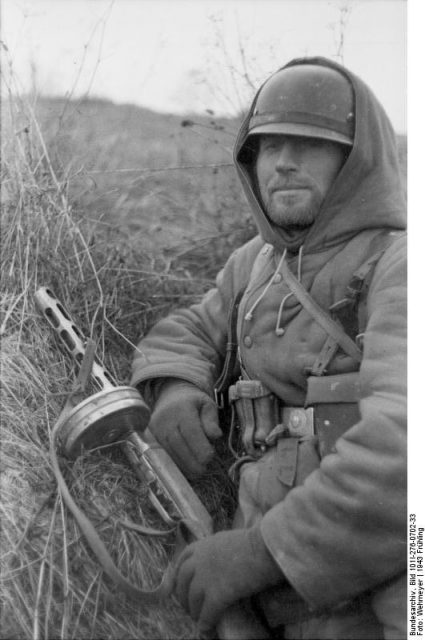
(270, 143)
(316, 143)
(304, 142)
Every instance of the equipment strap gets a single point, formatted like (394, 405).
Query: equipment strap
(227, 373)
(310, 305)
(326, 354)
(89, 532)
(93, 539)
(351, 310)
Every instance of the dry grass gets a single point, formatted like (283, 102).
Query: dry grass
(119, 250)
(51, 586)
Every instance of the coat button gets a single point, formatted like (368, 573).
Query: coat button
(247, 341)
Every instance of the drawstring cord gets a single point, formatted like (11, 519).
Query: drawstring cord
(300, 257)
(248, 315)
(279, 331)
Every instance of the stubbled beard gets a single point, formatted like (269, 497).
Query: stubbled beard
(295, 216)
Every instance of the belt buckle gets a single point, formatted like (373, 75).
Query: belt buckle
(298, 421)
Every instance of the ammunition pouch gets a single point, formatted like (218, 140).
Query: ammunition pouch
(330, 409)
(257, 412)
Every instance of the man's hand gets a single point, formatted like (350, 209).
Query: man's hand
(213, 573)
(185, 421)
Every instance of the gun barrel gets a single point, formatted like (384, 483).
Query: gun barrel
(70, 335)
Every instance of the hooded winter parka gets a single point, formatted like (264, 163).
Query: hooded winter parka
(342, 532)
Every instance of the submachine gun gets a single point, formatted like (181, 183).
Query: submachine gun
(119, 414)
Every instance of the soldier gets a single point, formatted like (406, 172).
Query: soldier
(317, 308)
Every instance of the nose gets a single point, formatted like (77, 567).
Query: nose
(287, 157)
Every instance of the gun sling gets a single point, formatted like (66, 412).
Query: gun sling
(96, 544)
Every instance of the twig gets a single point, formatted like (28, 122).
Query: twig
(121, 335)
(10, 311)
(66, 589)
(99, 586)
(161, 169)
(49, 595)
(86, 597)
(36, 623)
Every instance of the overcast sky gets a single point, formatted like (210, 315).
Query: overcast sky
(185, 55)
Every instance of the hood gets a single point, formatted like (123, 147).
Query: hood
(366, 194)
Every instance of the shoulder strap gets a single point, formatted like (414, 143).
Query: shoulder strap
(227, 373)
(334, 330)
(351, 311)
(341, 331)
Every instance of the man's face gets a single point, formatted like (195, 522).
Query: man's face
(294, 174)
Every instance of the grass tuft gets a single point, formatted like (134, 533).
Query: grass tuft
(116, 279)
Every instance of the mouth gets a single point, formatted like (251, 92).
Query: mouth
(288, 191)
(286, 188)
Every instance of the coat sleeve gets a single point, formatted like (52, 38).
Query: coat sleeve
(344, 530)
(190, 343)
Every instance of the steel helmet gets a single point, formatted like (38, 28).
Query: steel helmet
(305, 100)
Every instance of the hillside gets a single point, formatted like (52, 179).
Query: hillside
(155, 177)
(164, 176)
(124, 214)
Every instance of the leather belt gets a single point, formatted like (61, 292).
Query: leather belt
(298, 421)
(295, 422)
